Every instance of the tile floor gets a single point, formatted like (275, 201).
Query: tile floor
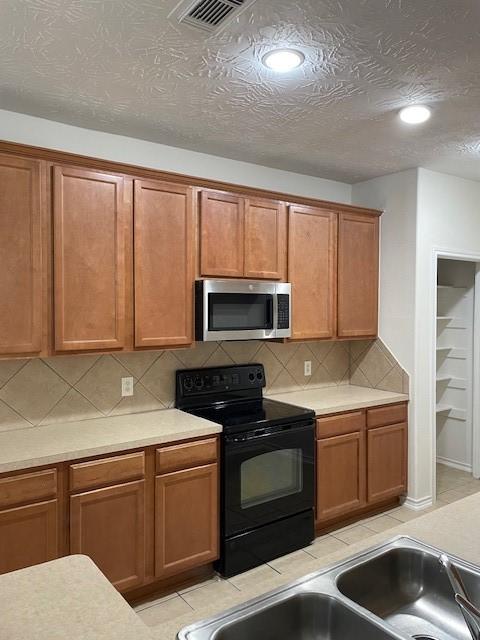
(452, 485)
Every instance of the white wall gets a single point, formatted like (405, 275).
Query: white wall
(396, 194)
(17, 127)
(448, 222)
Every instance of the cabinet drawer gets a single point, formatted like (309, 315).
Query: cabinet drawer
(389, 414)
(86, 475)
(30, 487)
(340, 424)
(183, 456)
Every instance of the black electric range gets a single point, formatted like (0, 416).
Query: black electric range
(266, 468)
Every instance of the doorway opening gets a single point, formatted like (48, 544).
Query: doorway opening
(456, 424)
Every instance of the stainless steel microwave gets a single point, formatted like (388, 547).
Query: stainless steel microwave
(242, 310)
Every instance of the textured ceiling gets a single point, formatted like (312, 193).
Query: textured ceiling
(123, 66)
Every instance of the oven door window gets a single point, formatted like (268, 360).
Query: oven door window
(269, 476)
(239, 311)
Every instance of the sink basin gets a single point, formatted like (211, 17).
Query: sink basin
(395, 591)
(304, 616)
(409, 589)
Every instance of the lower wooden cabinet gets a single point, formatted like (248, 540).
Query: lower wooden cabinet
(340, 475)
(28, 535)
(361, 461)
(109, 526)
(186, 519)
(386, 462)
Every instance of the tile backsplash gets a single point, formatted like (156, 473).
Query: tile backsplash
(65, 388)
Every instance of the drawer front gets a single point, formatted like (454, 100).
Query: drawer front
(29, 487)
(389, 414)
(340, 424)
(86, 475)
(183, 456)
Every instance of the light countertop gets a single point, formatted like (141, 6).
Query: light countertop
(38, 446)
(66, 598)
(345, 397)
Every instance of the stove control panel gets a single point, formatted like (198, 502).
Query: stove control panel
(217, 380)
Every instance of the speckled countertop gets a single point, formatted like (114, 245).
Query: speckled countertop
(38, 446)
(345, 397)
(67, 598)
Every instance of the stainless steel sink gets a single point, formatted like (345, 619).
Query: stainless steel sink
(397, 590)
(304, 616)
(408, 588)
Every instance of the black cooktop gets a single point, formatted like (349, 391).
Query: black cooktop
(232, 396)
(250, 414)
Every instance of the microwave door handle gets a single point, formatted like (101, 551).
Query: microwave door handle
(273, 311)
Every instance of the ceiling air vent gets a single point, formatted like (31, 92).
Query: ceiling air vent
(209, 14)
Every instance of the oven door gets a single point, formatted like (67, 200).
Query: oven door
(267, 475)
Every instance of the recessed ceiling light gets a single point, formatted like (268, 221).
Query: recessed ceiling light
(415, 114)
(283, 60)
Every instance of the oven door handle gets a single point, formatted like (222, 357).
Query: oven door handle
(258, 434)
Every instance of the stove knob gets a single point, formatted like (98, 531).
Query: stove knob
(188, 384)
(259, 375)
(251, 376)
(198, 382)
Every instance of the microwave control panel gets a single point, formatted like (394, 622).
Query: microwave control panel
(283, 311)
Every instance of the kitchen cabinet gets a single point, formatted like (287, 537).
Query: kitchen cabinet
(89, 215)
(361, 461)
(312, 254)
(107, 523)
(386, 452)
(29, 525)
(163, 264)
(22, 256)
(357, 314)
(242, 237)
(265, 239)
(186, 507)
(340, 465)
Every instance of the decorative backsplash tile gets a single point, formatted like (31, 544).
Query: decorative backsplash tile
(372, 365)
(66, 388)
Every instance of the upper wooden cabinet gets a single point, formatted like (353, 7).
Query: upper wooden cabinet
(357, 275)
(265, 239)
(163, 264)
(221, 234)
(312, 252)
(21, 256)
(242, 237)
(89, 260)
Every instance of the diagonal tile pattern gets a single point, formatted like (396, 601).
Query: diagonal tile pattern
(66, 388)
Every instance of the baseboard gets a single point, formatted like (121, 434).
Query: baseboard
(419, 503)
(448, 462)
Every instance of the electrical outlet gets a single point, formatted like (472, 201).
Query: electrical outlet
(307, 368)
(127, 387)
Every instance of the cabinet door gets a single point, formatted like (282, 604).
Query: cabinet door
(221, 234)
(357, 275)
(265, 239)
(312, 272)
(20, 256)
(186, 519)
(163, 262)
(28, 535)
(340, 475)
(109, 526)
(89, 260)
(386, 462)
